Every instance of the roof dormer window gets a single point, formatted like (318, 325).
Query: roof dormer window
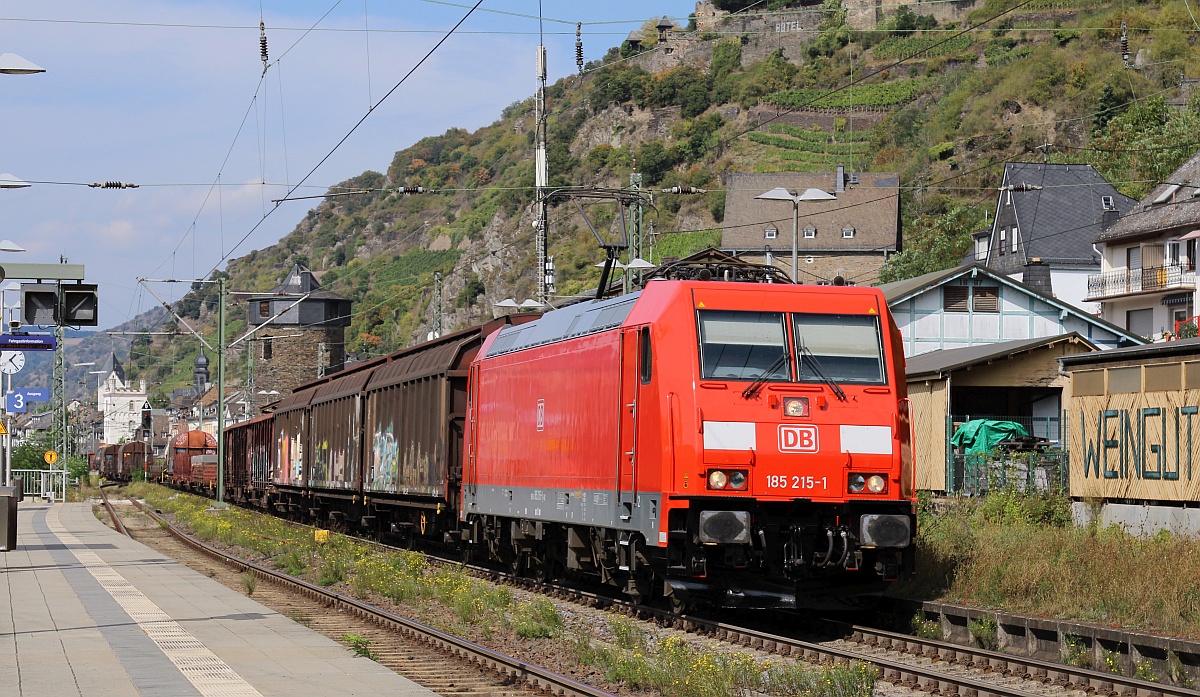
(1167, 194)
(848, 231)
(771, 232)
(809, 232)
(1108, 203)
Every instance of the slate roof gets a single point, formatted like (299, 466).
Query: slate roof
(112, 365)
(872, 207)
(899, 291)
(1180, 209)
(938, 363)
(1060, 222)
(298, 282)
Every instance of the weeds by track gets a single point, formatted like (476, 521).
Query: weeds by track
(433, 659)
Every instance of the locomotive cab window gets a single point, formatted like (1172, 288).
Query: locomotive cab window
(742, 345)
(647, 356)
(847, 348)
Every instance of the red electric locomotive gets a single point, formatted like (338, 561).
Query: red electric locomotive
(727, 443)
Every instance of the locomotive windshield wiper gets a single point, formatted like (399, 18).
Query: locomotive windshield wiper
(753, 388)
(816, 368)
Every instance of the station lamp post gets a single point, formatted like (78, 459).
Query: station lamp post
(782, 194)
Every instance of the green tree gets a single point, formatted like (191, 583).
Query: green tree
(935, 242)
(1144, 144)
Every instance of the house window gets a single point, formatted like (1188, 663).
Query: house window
(264, 309)
(986, 299)
(1173, 253)
(267, 351)
(981, 249)
(809, 232)
(772, 232)
(1002, 239)
(1108, 203)
(1014, 240)
(962, 299)
(954, 298)
(848, 231)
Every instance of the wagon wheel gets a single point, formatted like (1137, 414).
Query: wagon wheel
(679, 606)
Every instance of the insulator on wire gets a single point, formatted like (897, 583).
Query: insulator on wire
(579, 47)
(411, 190)
(684, 190)
(1124, 45)
(262, 44)
(112, 185)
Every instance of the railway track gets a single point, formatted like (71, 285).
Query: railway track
(437, 661)
(926, 664)
(922, 664)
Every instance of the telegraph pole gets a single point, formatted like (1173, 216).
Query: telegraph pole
(220, 393)
(437, 302)
(220, 350)
(541, 176)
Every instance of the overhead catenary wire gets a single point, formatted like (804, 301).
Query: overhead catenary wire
(462, 189)
(352, 130)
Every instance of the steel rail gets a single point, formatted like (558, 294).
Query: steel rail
(535, 676)
(112, 512)
(921, 677)
(925, 678)
(1024, 666)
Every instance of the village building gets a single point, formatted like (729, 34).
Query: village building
(1133, 437)
(1047, 218)
(843, 240)
(1147, 277)
(301, 336)
(972, 305)
(120, 402)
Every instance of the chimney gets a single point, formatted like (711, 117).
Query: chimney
(1037, 276)
(1108, 217)
(841, 180)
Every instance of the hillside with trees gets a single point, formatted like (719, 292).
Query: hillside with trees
(945, 104)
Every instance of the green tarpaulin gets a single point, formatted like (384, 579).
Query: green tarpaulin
(981, 435)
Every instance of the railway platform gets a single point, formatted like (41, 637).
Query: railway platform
(85, 610)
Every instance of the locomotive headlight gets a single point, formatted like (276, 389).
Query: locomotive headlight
(737, 479)
(857, 483)
(717, 479)
(876, 484)
(795, 406)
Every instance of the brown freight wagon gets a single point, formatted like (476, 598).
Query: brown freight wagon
(378, 447)
(184, 446)
(248, 451)
(108, 461)
(203, 474)
(136, 456)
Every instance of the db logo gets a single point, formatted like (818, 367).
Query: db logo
(798, 439)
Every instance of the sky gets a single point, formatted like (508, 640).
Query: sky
(171, 96)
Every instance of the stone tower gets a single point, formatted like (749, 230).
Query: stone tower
(301, 340)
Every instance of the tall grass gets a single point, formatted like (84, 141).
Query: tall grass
(672, 666)
(1021, 553)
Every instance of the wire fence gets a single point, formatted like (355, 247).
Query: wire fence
(1046, 471)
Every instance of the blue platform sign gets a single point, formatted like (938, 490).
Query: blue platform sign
(34, 394)
(26, 342)
(15, 403)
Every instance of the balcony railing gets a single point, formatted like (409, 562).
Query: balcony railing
(1145, 280)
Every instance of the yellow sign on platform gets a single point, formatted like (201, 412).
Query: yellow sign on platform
(3, 429)
(50, 457)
